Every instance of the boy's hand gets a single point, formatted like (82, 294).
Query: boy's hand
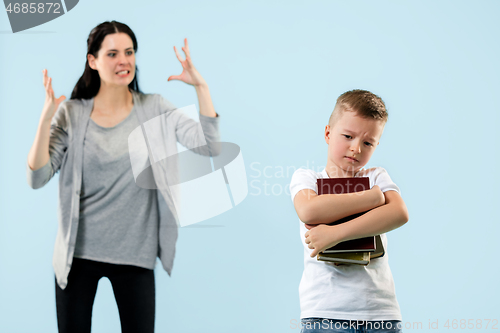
(321, 237)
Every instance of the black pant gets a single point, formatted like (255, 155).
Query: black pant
(134, 289)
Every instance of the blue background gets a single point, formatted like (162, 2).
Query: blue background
(275, 70)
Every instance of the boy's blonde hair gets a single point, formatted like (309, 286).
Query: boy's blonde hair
(364, 103)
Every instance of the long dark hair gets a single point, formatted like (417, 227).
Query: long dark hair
(89, 83)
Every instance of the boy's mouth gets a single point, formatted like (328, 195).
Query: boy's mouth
(351, 159)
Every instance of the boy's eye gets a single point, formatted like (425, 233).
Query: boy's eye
(129, 52)
(350, 137)
(111, 54)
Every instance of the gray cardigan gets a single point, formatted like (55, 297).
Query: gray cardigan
(67, 133)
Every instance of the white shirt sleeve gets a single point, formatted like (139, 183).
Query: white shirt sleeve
(381, 178)
(303, 179)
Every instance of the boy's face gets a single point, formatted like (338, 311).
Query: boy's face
(351, 142)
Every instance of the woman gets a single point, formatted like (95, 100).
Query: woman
(109, 226)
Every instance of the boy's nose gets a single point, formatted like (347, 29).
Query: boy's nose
(356, 148)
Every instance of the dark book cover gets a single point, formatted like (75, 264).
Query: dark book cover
(349, 185)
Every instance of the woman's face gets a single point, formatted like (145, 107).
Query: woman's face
(115, 61)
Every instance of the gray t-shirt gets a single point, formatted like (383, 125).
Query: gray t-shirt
(118, 220)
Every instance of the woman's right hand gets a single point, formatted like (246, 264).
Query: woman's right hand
(51, 103)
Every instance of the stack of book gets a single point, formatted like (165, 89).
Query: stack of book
(357, 251)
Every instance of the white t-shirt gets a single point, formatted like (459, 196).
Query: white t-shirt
(348, 292)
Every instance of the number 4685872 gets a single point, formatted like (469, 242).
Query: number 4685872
(34, 8)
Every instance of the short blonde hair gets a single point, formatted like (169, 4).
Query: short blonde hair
(363, 102)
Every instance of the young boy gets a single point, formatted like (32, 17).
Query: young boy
(344, 298)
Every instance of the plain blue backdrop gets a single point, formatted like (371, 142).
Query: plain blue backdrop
(275, 69)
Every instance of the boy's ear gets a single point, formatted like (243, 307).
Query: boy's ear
(327, 134)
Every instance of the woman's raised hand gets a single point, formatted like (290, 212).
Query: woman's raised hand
(189, 74)
(51, 103)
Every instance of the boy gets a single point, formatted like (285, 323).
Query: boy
(344, 298)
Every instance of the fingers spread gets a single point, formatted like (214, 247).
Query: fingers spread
(186, 52)
(44, 77)
(177, 54)
(186, 49)
(48, 88)
(174, 77)
(51, 90)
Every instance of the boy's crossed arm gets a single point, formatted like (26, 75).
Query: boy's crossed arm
(388, 212)
(317, 209)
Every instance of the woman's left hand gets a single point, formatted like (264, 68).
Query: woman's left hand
(189, 73)
(320, 238)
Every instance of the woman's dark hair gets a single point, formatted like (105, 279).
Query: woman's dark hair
(89, 83)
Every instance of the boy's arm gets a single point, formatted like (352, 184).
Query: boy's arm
(316, 209)
(382, 219)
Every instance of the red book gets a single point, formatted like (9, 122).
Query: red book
(347, 185)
